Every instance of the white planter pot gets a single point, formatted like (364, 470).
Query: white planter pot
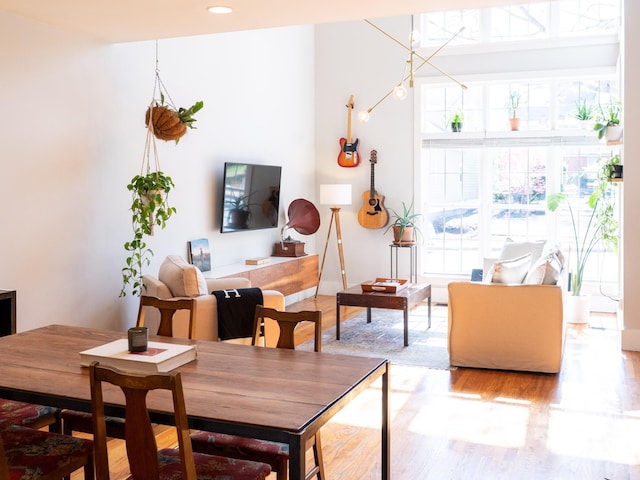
(613, 133)
(577, 308)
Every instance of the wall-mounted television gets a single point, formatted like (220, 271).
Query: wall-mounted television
(250, 197)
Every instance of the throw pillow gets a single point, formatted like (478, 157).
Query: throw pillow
(182, 278)
(510, 271)
(547, 270)
(511, 250)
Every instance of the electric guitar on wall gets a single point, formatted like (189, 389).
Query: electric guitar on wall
(349, 156)
(372, 214)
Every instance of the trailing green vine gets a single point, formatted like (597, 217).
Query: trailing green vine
(149, 208)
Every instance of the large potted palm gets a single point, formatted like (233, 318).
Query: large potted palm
(601, 228)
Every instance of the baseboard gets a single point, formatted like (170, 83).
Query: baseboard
(631, 339)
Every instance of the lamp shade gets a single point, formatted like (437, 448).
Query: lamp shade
(335, 194)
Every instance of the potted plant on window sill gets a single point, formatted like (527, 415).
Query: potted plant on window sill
(404, 226)
(608, 124)
(456, 121)
(584, 114)
(601, 228)
(513, 105)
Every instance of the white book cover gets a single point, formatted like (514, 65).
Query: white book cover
(159, 357)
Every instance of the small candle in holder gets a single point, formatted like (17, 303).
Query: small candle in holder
(138, 339)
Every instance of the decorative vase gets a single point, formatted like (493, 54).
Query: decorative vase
(578, 308)
(456, 126)
(406, 238)
(514, 122)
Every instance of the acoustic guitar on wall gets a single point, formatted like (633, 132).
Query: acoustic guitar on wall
(349, 156)
(372, 214)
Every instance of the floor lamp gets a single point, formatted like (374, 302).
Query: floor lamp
(334, 195)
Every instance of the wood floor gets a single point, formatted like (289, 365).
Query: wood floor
(583, 423)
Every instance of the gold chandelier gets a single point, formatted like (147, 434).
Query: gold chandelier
(399, 91)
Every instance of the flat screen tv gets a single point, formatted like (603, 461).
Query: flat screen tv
(250, 198)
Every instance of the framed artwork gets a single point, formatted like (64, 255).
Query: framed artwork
(199, 254)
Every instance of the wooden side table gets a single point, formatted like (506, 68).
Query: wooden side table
(413, 260)
(7, 312)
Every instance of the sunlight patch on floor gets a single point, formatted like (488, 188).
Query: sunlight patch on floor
(580, 434)
(497, 423)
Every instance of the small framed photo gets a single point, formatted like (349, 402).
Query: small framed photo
(199, 254)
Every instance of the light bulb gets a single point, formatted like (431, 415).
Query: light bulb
(400, 92)
(363, 116)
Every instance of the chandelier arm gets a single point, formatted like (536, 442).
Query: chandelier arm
(440, 71)
(387, 35)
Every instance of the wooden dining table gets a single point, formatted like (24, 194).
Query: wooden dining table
(272, 394)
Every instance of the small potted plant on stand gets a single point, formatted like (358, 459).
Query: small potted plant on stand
(405, 229)
(514, 104)
(601, 227)
(584, 114)
(608, 124)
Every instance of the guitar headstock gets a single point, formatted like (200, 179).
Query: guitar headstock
(374, 157)
(350, 104)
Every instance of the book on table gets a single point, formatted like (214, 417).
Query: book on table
(159, 356)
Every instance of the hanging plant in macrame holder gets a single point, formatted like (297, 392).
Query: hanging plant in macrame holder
(168, 122)
(150, 188)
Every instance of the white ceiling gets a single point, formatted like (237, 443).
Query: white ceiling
(133, 20)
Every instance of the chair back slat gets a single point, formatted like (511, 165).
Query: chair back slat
(167, 309)
(288, 321)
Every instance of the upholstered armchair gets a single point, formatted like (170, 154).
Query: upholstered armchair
(177, 278)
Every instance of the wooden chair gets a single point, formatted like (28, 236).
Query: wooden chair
(273, 453)
(76, 421)
(27, 453)
(145, 461)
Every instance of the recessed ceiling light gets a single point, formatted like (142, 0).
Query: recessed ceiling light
(220, 9)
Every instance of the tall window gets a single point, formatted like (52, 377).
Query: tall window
(487, 183)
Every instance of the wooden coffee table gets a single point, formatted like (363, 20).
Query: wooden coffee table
(404, 300)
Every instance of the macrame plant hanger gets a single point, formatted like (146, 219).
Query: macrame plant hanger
(150, 143)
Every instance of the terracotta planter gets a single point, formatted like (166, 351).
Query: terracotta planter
(515, 123)
(407, 236)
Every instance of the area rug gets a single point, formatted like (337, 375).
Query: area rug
(384, 337)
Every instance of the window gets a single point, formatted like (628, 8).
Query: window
(487, 183)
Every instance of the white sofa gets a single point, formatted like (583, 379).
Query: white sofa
(506, 327)
(177, 278)
(514, 319)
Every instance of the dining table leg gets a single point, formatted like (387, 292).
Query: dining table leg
(386, 430)
(297, 459)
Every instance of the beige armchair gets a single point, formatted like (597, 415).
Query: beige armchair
(187, 281)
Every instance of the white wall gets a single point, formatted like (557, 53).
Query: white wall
(72, 132)
(354, 58)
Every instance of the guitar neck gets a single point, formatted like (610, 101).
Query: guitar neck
(372, 191)
(349, 110)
